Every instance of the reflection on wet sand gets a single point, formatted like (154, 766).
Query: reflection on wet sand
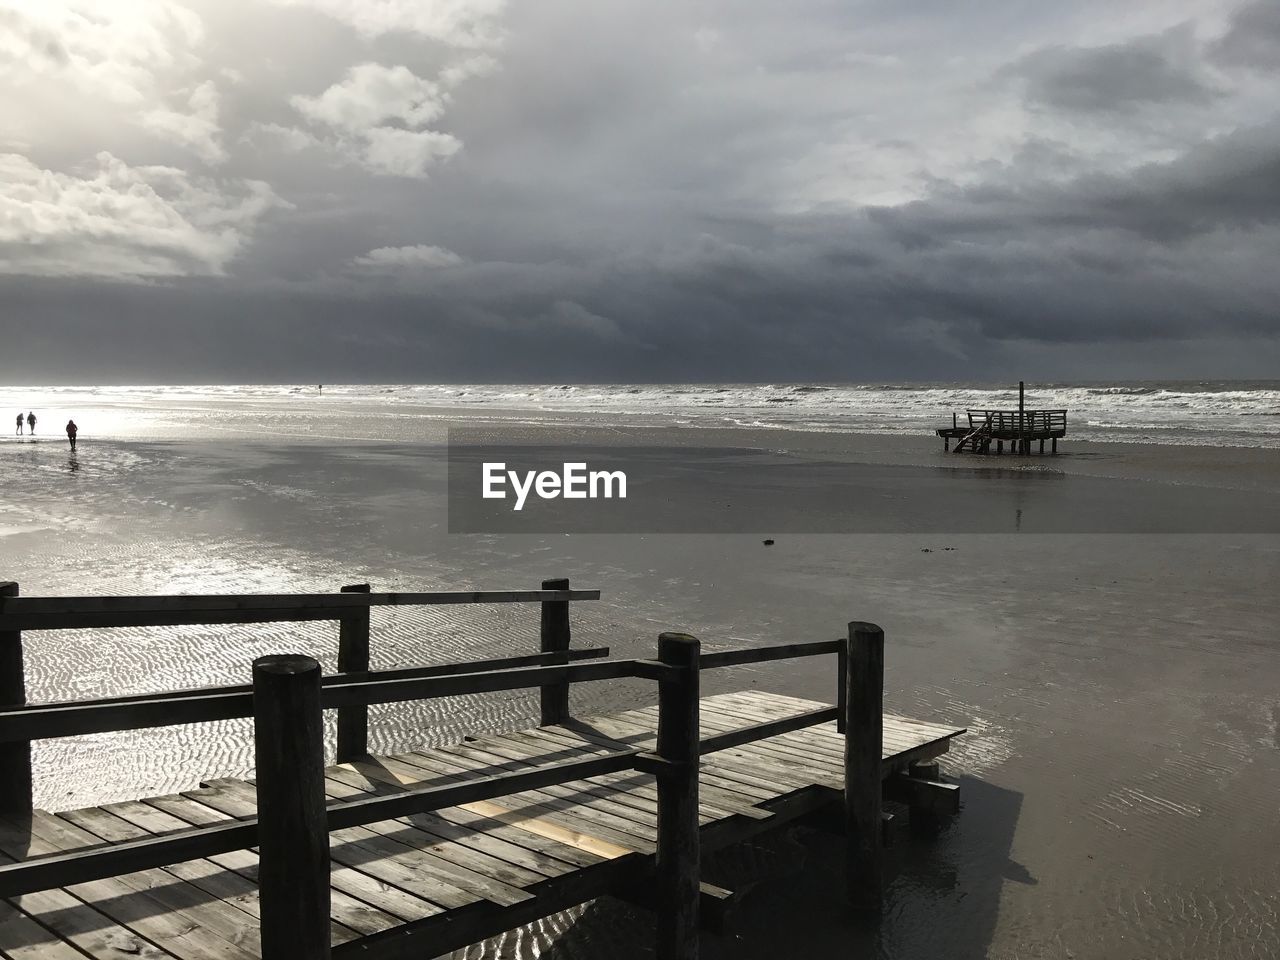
(943, 898)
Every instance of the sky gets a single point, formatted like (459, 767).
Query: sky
(606, 191)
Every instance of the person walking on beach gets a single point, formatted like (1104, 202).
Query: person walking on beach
(18, 432)
(31, 422)
(71, 433)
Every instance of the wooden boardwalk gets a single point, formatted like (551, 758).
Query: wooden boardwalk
(417, 854)
(431, 882)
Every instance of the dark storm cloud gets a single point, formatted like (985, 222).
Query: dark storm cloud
(1253, 38)
(1148, 70)
(683, 191)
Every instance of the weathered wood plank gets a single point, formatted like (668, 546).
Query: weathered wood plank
(566, 856)
(239, 871)
(713, 800)
(731, 796)
(437, 830)
(219, 882)
(415, 871)
(547, 803)
(359, 886)
(22, 938)
(528, 817)
(149, 903)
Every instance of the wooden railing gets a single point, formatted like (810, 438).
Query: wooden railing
(288, 696)
(1027, 421)
(350, 607)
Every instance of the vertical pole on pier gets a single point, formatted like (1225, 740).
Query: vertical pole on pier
(293, 831)
(864, 721)
(678, 841)
(842, 686)
(353, 657)
(555, 637)
(15, 757)
(1023, 445)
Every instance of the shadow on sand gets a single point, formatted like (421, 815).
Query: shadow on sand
(942, 898)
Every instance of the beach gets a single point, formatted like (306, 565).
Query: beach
(1123, 752)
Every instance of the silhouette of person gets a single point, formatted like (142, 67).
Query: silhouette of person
(31, 422)
(71, 433)
(18, 432)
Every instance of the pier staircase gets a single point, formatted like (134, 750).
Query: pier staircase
(978, 438)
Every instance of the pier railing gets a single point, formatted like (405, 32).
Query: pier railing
(349, 606)
(287, 698)
(1019, 421)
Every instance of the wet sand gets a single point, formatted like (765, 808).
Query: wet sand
(1120, 778)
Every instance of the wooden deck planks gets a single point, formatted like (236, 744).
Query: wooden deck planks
(345, 882)
(152, 904)
(500, 859)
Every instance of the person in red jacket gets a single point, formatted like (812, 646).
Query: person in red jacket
(72, 429)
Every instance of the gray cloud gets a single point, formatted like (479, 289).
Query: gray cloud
(1253, 38)
(672, 191)
(1160, 69)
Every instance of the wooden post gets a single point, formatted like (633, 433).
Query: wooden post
(353, 657)
(862, 763)
(555, 637)
(842, 686)
(1022, 402)
(293, 833)
(15, 758)
(1055, 444)
(678, 841)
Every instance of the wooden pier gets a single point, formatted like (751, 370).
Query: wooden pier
(1018, 428)
(424, 851)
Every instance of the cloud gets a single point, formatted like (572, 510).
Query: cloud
(396, 259)
(113, 49)
(122, 222)
(460, 23)
(405, 153)
(651, 191)
(1253, 38)
(1160, 69)
(574, 318)
(377, 115)
(196, 128)
(278, 138)
(370, 95)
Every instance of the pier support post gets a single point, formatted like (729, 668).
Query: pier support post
(842, 687)
(555, 637)
(862, 762)
(678, 859)
(15, 758)
(293, 832)
(353, 657)
(1055, 445)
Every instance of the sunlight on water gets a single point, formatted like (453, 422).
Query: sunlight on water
(1238, 413)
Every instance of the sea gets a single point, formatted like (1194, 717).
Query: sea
(1186, 412)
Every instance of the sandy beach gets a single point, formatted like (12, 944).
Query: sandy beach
(1123, 757)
